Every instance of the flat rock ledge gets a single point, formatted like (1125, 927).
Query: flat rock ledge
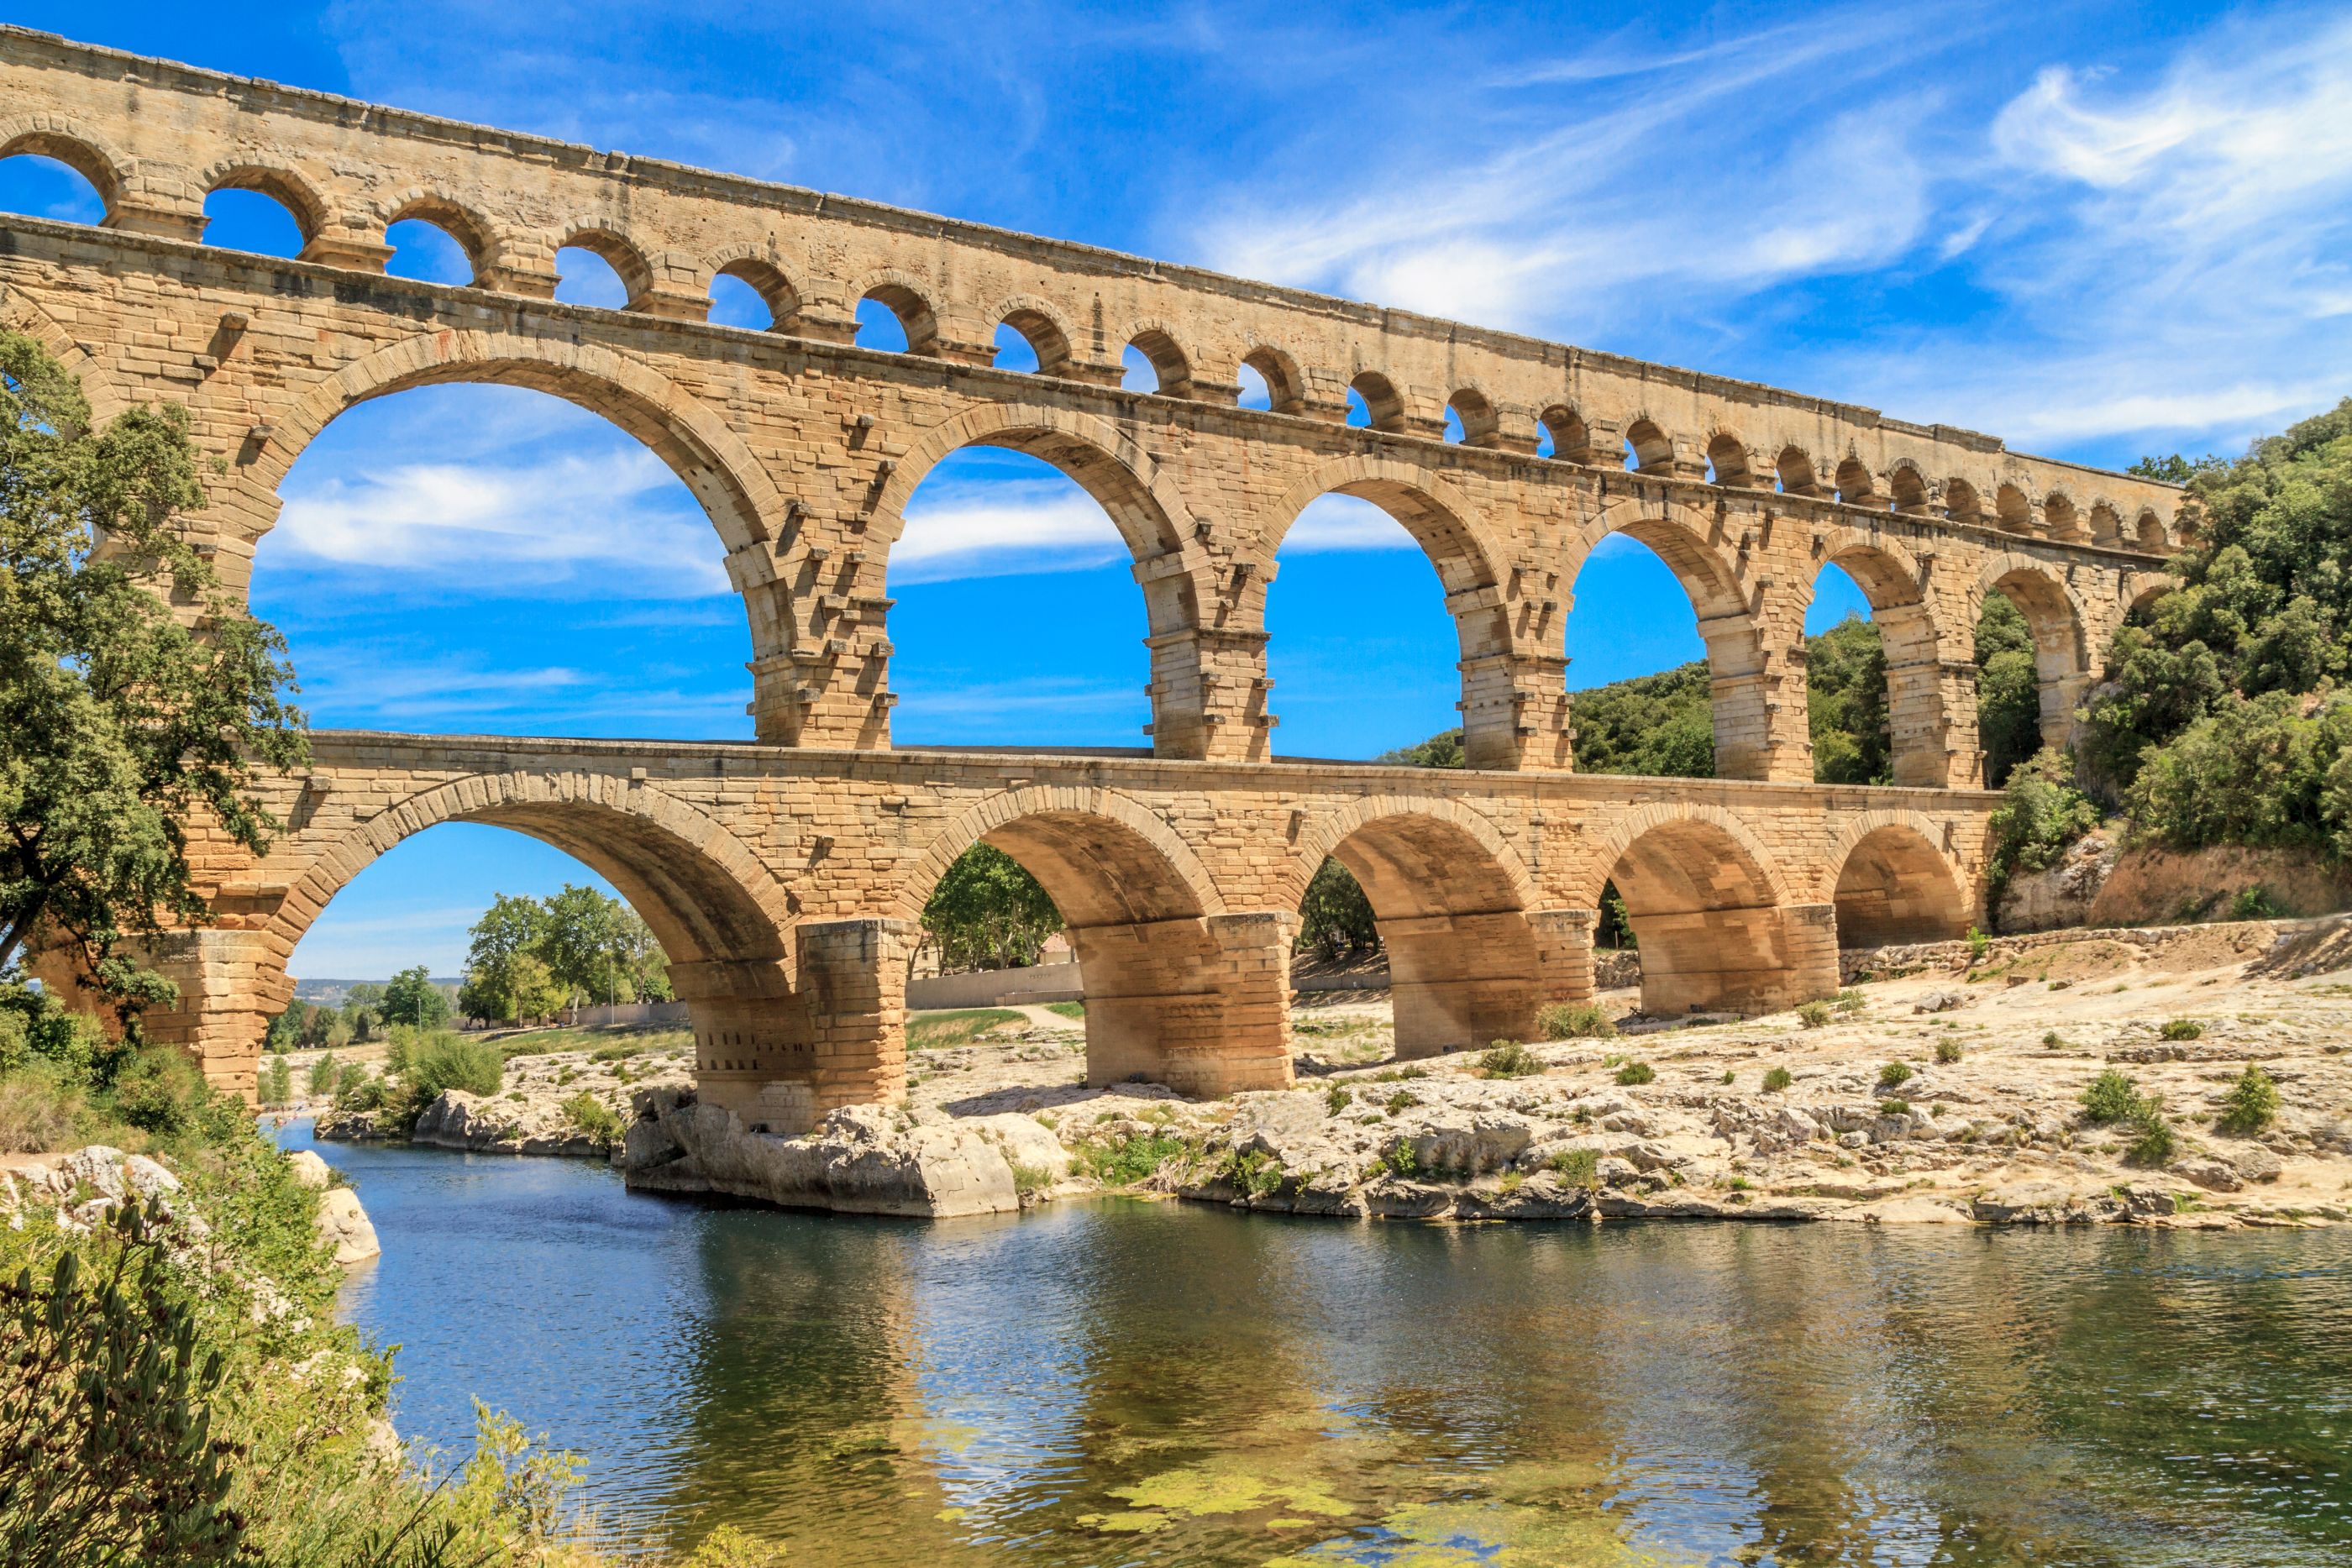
(862, 1159)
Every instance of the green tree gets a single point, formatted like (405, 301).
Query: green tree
(413, 999)
(120, 721)
(2009, 689)
(1845, 687)
(582, 941)
(1335, 918)
(988, 913)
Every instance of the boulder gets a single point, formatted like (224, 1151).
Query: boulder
(311, 1170)
(344, 1226)
(2255, 1162)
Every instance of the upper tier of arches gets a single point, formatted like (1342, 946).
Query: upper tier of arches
(670, 233)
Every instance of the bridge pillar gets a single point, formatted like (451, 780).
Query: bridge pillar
(1201, 1005)
(1932, 720)
(1514, 712)
(1564, 953)
(1459, 981)
(232, 983)
(1738, 960)
(1208, 694)
(780, 1056)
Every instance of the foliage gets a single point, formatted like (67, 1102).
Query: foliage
(1893, 1074)
(1813, 1014)
(1894, 1107)
(1126, 1161)
(2009, 689)
(1442, 750)
(1335, 918)
(1659, 724)
(988, 912)
(594, 1120)
(1510, 1059)
(158, 1090)
(1776, 1079)
(36, 1026)
(108, 1451)
(436, 1064)
(2112, 1097)
(2040, 814)
(276, 1084)
(120, 719)
(323, 1074)
(1577, 1167)
(2266, 770)
(1634, 1072)
(1575, 1021)
(727, 1547)
(1948, 1051)
(955, 1025)
(2255, 903)
(2181, 1028)
(2252, 1104)
(1845, 691)
(2153, 1145)
(413, 999)
(530, 958)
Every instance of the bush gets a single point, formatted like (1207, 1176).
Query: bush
(1851, 1000)
(1575, 1021)
(1813, 1015)
(1775, 1080)
(1510, 1059)
(1577, 1167)
(1894, 1074)
(1977, 942)
(1028, 1181)
(2112, 1097)
(1948, 1051)
(2182, 1029)
(159, 1091)
(2154, 1145)
(323, 1078)
(444, 1062)
(276, 1086)
(1336, 1099)
(2040, 813)
(594, 1120)
(2255, 903)
(2252, 1102)
(1124, 1162)
(1634, 1072)
(41, 1110)
(1894, 1107)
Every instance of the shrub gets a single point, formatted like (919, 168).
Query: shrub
(2255, 903)
(1510, 1059)
(1336, 1099)
(1977, 942)
(277, 1085)
(1399, 1159)
(1948, 1051)
(1893, 1074)
(159, 1091)
(594, 1120)
(1028, 1181)
(2112, 1097)
(1728, 1075)
(1575, 1021)
(2252, 1102)
(363, 1094)
(2040, 813)
(1577, 1167)
(322, 1076)
(2052, 1039)
(727, 1547)
(1775, 1080)
(1813, 1015)
(1634, 1072)
(2154, 1145)
(2182, 1029)
(41, 1110)
(1851, 1000)
(442, 1061)
(1124, 1162)
(1894, 1107)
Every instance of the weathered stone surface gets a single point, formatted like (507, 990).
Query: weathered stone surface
(344, 1225)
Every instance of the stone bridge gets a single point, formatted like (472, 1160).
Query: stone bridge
(804, 449)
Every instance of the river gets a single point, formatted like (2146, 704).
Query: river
(1115, 1381)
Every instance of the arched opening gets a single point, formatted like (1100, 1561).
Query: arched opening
(258, 212)
(2107, 526)
(49, 177)
(1279, 388)
(436, 241)
(1163, 366)
(2029, 669)
(1794, 470)
(492, 558)
(1647, 447)
(597, 267)
(2013, 513)
(1894, 888)
(895, 320)
(1161, 1005)
(1000, 543)
(1961, 502)
(1707, 920)
(1561, 432)
(1874, 684)
(1029, 340)
(1359, 649)
(1854, 485)
(1462, 957)
(1657, 626)
(2149, 533)
(2061, 518)
(1374, 403)
(1727, 462)
(1907, 491)
(752, 295)
(1470, 420)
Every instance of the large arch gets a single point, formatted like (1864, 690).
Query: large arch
(1890, 577)
(1450, 900)
(1893, 884)
(1177, 991)
(1709, 910)
(2060, 629)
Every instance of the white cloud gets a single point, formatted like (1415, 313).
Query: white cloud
(1001, 527)
(1346, 523)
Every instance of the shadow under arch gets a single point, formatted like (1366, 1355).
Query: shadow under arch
(1711, 915)
(1889, 577)
(720, 916)
(1450, 900)
(1894, 885)
(1176, 990)
(1470, 566)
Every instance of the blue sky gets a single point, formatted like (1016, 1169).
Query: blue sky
(2096, 230)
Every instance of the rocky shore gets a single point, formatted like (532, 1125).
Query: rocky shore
(1946, 1086)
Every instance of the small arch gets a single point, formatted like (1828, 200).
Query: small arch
(617, 250)
(284, 187)
(1906, 490)
(1172, 370)
(1471, 418)
(2013, 513)
(1561, 432)
(1048, 340)
(767, 283)
(912, 313)
(1854, 484)
(1894, 887)
(1794, 470)
(1651, 450)
(1726, 460)
(2062, 519)
(464, 226)
(2148, 532)
(68, 147)
(1285, 387)
(1961, 502)
(1374, 403)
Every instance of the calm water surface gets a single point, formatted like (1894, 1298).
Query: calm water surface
(1118, 1382)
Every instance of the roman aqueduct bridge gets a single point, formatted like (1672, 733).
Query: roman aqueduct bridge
(783, 876)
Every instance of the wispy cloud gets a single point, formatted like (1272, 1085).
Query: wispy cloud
(1003, 527)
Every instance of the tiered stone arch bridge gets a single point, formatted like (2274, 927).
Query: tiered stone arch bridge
(779, 875)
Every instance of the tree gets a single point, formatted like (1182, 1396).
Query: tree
(122, 722)
(1334, 917)
(988, 913)
(413, 999)
(581, 942)
(2009, 689)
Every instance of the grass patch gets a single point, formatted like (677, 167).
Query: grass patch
(594, 1120)
(1634, 1072)
(1575, 1021)
(1894, 1074)
(1775, 1080)
(1948, 1051)
(2181, 1028)
(1894, 1107)
(1813, 1014)
(1510, 1059)
(1577, 1167)
(1066, 1009)
(958, 1026)
(1125, 1162)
